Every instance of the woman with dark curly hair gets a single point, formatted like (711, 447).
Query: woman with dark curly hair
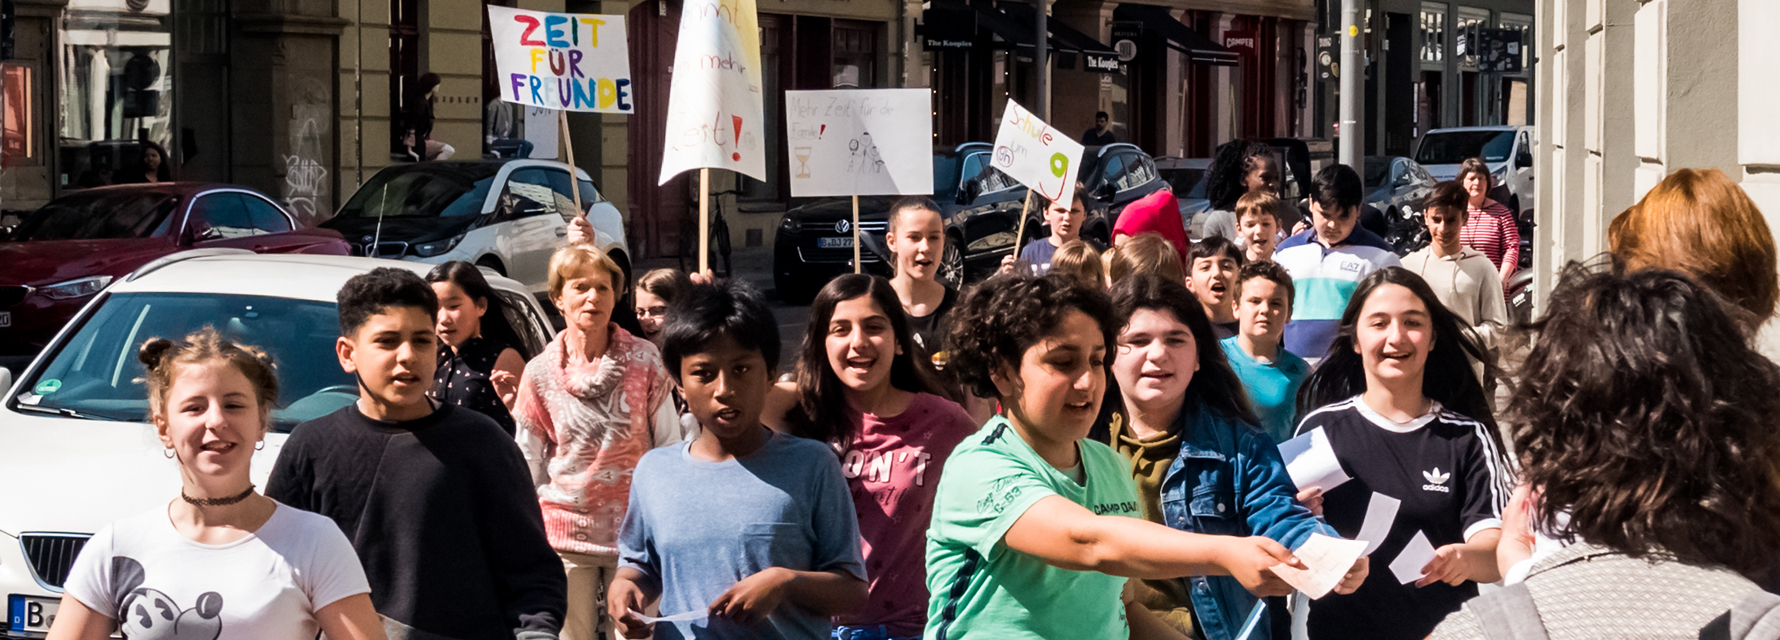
(1646, 425)
(1407, 418)
(1036, 528)
(1241, 167)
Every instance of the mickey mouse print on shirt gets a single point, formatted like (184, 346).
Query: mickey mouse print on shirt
(148, 614)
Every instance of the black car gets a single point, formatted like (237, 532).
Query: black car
(815, 239)
(980, 233)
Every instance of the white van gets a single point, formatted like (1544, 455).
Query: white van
(1508, 150)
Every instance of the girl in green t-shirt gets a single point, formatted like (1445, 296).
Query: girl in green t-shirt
(1036, 529)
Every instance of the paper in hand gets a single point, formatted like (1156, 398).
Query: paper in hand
(1381, 512)
(1311, 461)
(1326, 561)
(1416, 555)
(695, 614)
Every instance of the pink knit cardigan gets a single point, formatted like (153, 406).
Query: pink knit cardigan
(596, 420)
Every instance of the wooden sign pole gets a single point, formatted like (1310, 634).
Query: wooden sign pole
(1020, 236)
(562, 122)
(856, 266)
(704, 219)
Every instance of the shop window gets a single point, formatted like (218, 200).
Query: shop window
(404, 70)
(855, 54)
(18, 143)
(1523, 24)
(117, 87)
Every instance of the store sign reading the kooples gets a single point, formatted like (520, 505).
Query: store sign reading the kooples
(1102, 62)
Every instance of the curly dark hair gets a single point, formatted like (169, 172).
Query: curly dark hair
(821, 412)
(1224, 184)
(1002, 317)
(1447, 379)
(1215, 386)
(370, 293)
(1644, 417)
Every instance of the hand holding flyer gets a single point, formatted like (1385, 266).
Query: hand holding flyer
(1326, 561)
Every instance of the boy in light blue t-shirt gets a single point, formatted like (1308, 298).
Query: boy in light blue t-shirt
(1269, 372)
(749, 532)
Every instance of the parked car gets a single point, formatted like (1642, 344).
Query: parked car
(1508, 150)
(75, 449)
(1396, 185)
(73, 247)
(814, 242)
(1186, 178)
(505, 215)
(980, 233)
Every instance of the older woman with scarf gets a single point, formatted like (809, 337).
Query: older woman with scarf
(588, 408)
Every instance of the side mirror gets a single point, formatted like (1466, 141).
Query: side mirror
(5, 379)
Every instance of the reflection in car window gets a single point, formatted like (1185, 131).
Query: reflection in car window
(1454, 147)
(104, 214)
(424, 190)
(95, 373)
(219, 216)
(266, 217)
(528, 194)
(1113, 171)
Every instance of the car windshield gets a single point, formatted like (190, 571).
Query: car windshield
(424, 190)
(95, 374)
(1190, 182)
(100, 215)
(1454, 147)
(945, 177)
(1377, 169)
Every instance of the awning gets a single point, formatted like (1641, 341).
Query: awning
(1179, 37)
(1096, 55)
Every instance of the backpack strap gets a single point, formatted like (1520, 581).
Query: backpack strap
(1756, 617)
(1509, 614)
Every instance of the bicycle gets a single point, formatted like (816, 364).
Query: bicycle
(718, 247)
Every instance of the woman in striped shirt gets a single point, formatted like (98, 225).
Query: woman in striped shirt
(1489, 226)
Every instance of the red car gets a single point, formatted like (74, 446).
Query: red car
(73, 247)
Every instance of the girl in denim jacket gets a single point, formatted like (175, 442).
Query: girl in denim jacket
(1200, 461)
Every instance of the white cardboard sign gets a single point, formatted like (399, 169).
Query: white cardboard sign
(1036, 154)
(714, 100)
(863, 142)
(562, 61)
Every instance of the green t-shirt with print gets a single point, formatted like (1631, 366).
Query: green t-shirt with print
(982, 589)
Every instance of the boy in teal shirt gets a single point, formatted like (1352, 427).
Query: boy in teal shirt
(1269, 372)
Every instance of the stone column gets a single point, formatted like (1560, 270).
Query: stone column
(284, 104)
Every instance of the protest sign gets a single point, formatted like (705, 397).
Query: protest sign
(714, 101)
(1036, 155)
(861, 142)
(562, 61)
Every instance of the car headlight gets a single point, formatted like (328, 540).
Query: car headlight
(431, 249)
(792, 225)
(72, 289)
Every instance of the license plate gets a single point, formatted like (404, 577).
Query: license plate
(25, 613)
(834, 243)
(5, 319)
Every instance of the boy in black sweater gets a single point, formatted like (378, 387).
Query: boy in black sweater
(436, 500)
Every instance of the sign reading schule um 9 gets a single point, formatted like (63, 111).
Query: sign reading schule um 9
(563, 61)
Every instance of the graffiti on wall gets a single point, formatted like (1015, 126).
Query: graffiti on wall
(305, 189)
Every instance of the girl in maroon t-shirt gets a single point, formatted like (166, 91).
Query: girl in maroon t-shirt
(862, 387)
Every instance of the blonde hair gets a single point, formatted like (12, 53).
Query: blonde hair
(1258, 204)
(161, 359)
(576, 261)
(1146, 253)
(1701, 223)
(1080, 262)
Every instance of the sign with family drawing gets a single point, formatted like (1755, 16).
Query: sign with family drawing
(860, 142)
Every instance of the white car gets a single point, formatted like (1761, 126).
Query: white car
(1508, 150)
(505, 215)
(76, 452)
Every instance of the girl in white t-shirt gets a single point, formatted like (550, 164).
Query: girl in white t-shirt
(222, 562)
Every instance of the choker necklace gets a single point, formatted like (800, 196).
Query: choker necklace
(216, 502)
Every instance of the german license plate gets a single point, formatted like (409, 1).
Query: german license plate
(834, 243)
(26, 613)
(5, 319)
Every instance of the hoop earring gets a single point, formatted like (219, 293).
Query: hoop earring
(169, 453)
(260, 446)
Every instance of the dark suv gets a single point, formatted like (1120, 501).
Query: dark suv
(981, 230)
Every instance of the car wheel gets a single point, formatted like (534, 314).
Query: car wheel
(493, 264)
(951, 263)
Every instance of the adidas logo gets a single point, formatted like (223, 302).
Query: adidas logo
(1436, 481)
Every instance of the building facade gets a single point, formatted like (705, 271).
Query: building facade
(1633, 90)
